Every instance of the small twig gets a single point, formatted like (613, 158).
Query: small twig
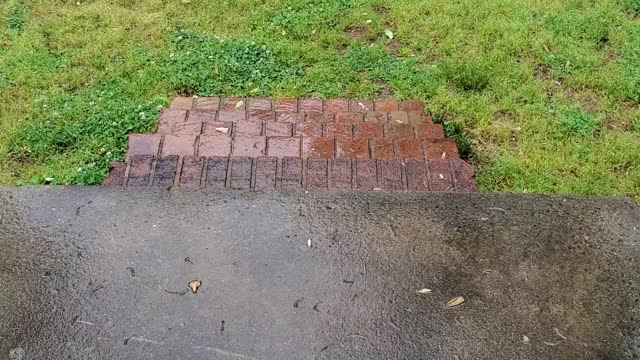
(78, 210)
(132, 271)
(101, 286)
(177, 292)
(188, 260)
(245, 196)
(297, 303)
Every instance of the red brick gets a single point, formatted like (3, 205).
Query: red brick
(289, 117)
(202, 116)
(440, 174)
(241, 168)
(265, 173)
(291, 173)
(417, 117)
(232, 116)
(376, 117)
(464, 176)
(309, 129)
(349, 118)
(383, 149)
(429, 131)
(281, 146)
(252, 146)
(143, 144)
(169, 118)
(207, 103)
(390, 175)
(140, 170)
(321, 117)
(352, 148)
(214, 145)
(218, 128)
(191, 174)
(361, 106)
(286, 105)
(182, 103)
(336, 106)
(261, 115)
(278, 129)
(166, 169)
(188, 128)
(368, 131)
(249, 128)
(183, 145)
(317, 173)
(411, 105)
(341, 174)
(398, 117)
(311, 106)
(443, 149)
(366, 174)
(233, 104)
(259, 104)
(400, 131)
(217, 172)
(416, 175)
(318, 147)
(117, 170)
(339, 130)
(410, 149)
(386, 105)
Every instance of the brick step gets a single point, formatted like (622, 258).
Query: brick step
(290, 173)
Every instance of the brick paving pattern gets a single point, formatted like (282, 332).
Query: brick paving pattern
(263, 144)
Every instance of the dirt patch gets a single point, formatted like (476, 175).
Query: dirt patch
(381, 9)
(359, 33)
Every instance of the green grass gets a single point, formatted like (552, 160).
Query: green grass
(542, 96)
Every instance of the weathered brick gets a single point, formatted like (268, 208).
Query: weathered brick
(352, 148)
(371, 130)
(390, 175)
(265, 173)
(417, 117)
(400, 131)
(202, 116)
(218, 128)
(140, 170)
(182, 145)
(442, 149)
(349, 118)
(361, 106)
(165, 173)
(241, 168)
(188, 128)
(317, 173)
(259, 104)
(376, 117)
(169, 118)
(117, 170)
(217, 172)
(416, 175)
(410, 149)
(309, 129)
(191, 174)
(248, 128)
(232, 116)
(207, 103)
(261, 115)
(289, 117)
(411, 105)
(386, 105)
(143, 144)
(339, 130)
(233, 104)
(464, 176)
(366, 174)
(337, 105)
(278, 129)
(398, 117)
(252, 146)
(214, 145)
(318, 147)
(286, 105)
(291, 173)
(429, 131)
(341, 174)
(183, 103)
(383, 149)
(311, 106)
(321, 117)
(440, 174)
(281, 146)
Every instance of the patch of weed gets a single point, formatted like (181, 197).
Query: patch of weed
(17, 17)
(578, 123)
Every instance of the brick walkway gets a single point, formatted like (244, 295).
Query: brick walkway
(261, 144)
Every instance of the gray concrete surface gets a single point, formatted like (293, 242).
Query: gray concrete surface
(96, 273)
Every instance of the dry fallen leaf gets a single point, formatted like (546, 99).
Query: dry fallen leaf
(377, 189)
(525, 339)
(561, 335)
(309, 242)
(239, 104)
(424, 291)
(458, 300)
(222, 130)
(194, 285)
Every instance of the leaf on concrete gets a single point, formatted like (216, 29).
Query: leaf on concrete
(194, 285)
(424, 291)
(525, 339)
(456, 301)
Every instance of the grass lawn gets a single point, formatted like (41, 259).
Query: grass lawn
(546, 93)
